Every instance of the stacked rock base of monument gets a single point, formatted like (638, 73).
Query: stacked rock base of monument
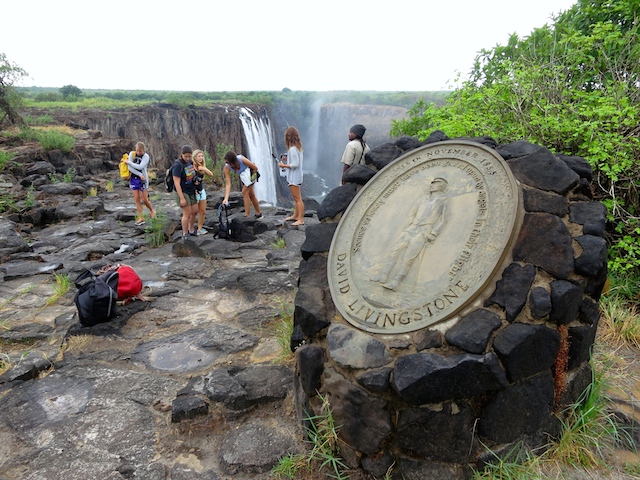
(437, 401)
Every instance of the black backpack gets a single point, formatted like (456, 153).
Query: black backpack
(168, 178)
(224, 226)
(96, 297)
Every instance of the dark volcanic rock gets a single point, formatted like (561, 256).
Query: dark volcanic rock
(511, 290)
(541, 169)
(429, 378)
(552, 251)
(526, 349)
(472, 332)
(359, 174)
(444, 435)
(522, 407)
(337, 201)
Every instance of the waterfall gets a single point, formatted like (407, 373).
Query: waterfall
(257, 131)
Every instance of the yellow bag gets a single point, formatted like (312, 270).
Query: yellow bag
(124, 168)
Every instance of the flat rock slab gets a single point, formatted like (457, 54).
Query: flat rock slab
(238, 452)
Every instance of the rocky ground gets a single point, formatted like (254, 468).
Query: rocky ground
(188, 384)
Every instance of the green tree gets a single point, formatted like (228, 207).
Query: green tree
(70, 91)
(10, 73)
(572, 87)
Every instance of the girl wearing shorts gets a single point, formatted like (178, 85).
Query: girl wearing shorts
(242, 166)
(139, 181)
(183, 173)
(294, 173)
(201, 194)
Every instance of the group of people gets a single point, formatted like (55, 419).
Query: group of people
(189, 170)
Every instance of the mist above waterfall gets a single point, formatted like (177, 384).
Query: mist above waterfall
(324, 128)
(324, 120)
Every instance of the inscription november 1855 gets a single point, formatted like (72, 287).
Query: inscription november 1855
(423, 237)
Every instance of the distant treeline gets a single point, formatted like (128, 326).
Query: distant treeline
(70, 95)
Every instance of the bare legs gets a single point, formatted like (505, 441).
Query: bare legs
(142, 197)
(298, 206)
(249, 198)
(202, 208)
(189, 213)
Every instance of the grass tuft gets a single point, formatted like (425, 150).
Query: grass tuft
(284, 329)
(61, 287)
(517, 464)
(155, 230)
(324, 454)
(620, 321)
(590, 431)
(5, 158)
(279, 243)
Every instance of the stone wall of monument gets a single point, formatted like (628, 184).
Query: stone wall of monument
(436, 401)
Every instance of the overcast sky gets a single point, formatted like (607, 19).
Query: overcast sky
(241, 45)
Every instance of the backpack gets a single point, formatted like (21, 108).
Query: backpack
(168, 179)
(99, 292)
(96, 297)
(224, 226)
(129, 283)
(124, 168)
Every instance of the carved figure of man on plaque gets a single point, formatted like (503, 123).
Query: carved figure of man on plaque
(427, 219)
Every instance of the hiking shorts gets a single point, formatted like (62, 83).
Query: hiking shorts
(191, 199)
(245, 177)
(201, 195)
(135, 183)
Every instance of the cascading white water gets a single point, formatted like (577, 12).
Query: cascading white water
(257, 131)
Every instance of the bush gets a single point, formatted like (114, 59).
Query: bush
(572, 88)
(52, 140)
(5, 158)
(39, 120)
(69, 175)
(8, 203)
(48, 97)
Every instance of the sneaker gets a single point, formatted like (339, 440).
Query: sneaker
(259, 216)
(140, 222)
(193, 234)
(202, 231)
(185, 237)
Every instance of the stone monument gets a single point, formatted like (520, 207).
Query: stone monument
(448, 304)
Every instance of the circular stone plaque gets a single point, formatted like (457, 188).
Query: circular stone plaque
(423, 238)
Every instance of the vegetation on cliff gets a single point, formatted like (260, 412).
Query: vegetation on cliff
(10, 74)
(572, 87)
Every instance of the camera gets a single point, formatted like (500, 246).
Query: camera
(197, 182)
(283, 158)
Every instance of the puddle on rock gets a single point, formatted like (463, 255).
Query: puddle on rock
(180, 357)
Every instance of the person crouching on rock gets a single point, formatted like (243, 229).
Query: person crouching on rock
(139, 181)
(240, 165)
(201, 194)
(183, 173)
